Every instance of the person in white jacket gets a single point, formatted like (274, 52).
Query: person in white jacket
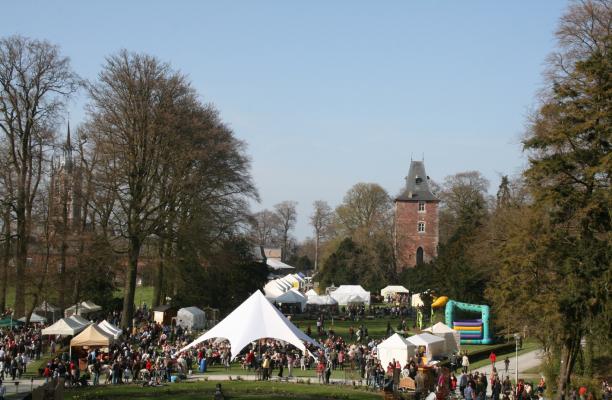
(465, 363)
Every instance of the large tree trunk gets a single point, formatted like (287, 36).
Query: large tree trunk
(130, 283)
(568, 358)
(21, 255)
(159, 277)
(63, 247)
(6, 257)
(316, 263)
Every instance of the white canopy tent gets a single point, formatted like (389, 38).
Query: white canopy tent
(415, 300)
(292, 297)
(346, 294)
(311, 292)
(451, 337)
(80, 320)
(276, 287)
(64, 327)
(255, 319)
(326, 300)
(34, 318)
(395, 347)
(84, 308)
(110, 329)
(191, 318)
(434, 346)
(49, 311)
(393, 290)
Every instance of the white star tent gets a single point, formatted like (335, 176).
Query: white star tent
(255, 319)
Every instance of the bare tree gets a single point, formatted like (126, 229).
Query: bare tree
(132, 112)
(265, 227)
(365, 211)
(287, 215)
(320, 220)
(583, 30)
(35, 80)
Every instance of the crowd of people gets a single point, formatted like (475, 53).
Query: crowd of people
(149, 354)
(18, 346)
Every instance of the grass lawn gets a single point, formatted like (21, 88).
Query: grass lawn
(144, 294)
(377, 328)
(10, 297)
(232, 390)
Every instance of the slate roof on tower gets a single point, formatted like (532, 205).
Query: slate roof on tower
(417, 185)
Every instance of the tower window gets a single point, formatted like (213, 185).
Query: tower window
(421, 206)
(421, 227)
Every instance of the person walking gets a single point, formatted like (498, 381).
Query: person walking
(265, 366)
(506, 365)
(465, 363)
(290, 361)
(469, 392)
(496, 389)
(328, 370)
(96, 372)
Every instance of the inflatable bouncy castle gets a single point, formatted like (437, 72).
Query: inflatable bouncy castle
(472, 331)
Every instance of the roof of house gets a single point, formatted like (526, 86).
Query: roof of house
(417, 185)
(273, 253)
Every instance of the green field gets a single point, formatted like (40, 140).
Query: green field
(144, 294)
(233, 390)
(377, 328)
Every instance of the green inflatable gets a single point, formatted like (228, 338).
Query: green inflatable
(475, 331)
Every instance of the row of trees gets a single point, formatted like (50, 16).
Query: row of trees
(156, 180)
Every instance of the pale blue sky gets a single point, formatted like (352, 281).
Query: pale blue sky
(331, 93)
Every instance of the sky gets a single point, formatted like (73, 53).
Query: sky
(327, 94)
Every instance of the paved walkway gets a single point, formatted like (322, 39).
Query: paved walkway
(525, 361)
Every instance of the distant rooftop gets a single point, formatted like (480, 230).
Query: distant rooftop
(273, 253)
(417, 184)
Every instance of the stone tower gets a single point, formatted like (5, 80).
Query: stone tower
(416, 220)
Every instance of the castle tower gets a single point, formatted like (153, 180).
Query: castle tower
(416, 220)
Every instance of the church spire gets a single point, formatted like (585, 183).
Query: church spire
(68, 150)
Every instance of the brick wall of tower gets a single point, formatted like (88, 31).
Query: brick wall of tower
(407, 237)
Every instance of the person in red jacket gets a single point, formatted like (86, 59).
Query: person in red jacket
(492, 357)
